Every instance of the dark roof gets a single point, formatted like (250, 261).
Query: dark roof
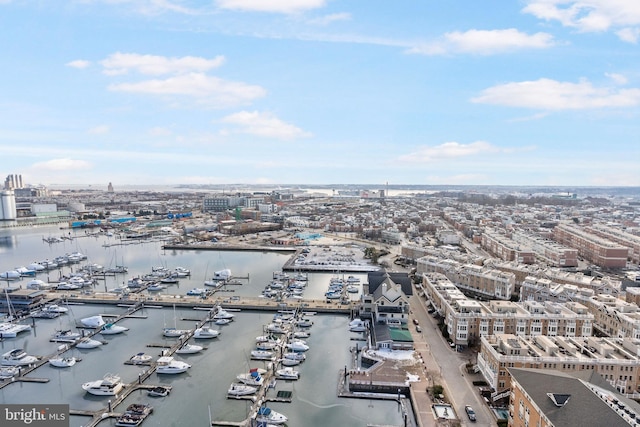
(375, 279)
(579, 405)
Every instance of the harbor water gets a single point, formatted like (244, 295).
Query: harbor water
(200, 394)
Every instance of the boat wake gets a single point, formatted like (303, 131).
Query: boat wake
(320, 406)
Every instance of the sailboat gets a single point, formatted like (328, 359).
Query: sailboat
(173, 332)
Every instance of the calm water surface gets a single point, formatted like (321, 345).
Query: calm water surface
(202, 390)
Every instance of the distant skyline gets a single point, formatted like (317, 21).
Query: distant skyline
(167, 92)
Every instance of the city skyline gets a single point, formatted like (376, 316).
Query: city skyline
(536, 92)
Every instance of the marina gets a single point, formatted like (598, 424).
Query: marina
(221, 357)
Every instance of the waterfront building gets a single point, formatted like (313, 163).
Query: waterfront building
(600, 251)
(549, 398)
(467, 320)
(385, 298)
(617, 360)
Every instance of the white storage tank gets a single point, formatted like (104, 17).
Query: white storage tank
(7, 206)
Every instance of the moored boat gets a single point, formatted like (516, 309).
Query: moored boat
(241, 390)
(140, 358)
(266, 415)
(189, 349)
(109, 385)
(168, 365)
(62, 362)
(287, 373)
(17, 357)
(205, 333)
(160, 391)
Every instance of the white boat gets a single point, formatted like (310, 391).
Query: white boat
(66, 336)
(24, 271)
(7, 372)
(287, 373)
(297, 345)
(11, 330)
(168, 365)
(222, 274)
(88, 343)
(62, 362)
(301, 334)
(66, 286)
(110, 385)
(353, 279)
(252, 378)
(261, 355)
(55, 308)
(174, 333)
(189, 349)
(140, 358)
(196, 292)
(294, 356)
(93, 322)
(222, 321)
(160, 391)
(241, 390)
(17, 357)
(39, 285)
(352, 289)
(223, 314)
(267, 415)
(304, 323)
(10, 275)
(275, 328)
(35, 267)
(357, 325)
(266, 345)
(111, 329)
(289, 362)
(205, 333)
(155, 287)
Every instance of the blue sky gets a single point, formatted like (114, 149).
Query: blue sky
(529, 92)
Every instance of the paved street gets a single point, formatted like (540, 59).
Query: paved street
(445, 366)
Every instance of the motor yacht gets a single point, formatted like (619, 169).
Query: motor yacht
(109, 385)
(17, 357)
(168, 365)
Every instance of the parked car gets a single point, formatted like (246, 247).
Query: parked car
(415, 321)
(418, 329)
(470, 413)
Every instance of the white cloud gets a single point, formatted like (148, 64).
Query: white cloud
(485, 42)
(588, 15)
(264, 124)
(209, 90)
(66, 165)
(122, 63)
(101, 129)
(630, 35)
(547, 94)
(148, 7)
(617, 78)
(276, 6)
(160, 131)
(449, 150)
(78, 63)
(329, 19)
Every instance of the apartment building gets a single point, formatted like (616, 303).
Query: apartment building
(620, 236)
(467, 320)
(503, 247)
(547, 251)
(484, 282)
(615, 359)
(597, 250)
(548, 398)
